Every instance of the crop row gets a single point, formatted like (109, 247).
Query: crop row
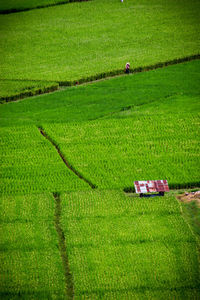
(127, 245)
(113, 153)
(30, 164)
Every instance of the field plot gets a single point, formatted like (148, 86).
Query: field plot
(29, 164)
(81, 40)
(129, 248)
(171, 90)
(31, 266)
(113, 153)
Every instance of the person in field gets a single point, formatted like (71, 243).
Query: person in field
(127, 68)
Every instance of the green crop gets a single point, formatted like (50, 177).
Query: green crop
(171, 90)
(102, 244)
(116, 152)
(81, 40)
(119, 245)
(30, 260)
(30, 164)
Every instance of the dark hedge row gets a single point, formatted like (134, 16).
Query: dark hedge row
(29, 93)
(15, 10)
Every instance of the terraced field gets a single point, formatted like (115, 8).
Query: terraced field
(68, 229)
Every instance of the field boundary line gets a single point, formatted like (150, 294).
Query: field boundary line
(62, 247)
(95, 78)
(15, 10)
(68, 165)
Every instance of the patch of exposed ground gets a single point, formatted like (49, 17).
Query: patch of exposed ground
(189, 197)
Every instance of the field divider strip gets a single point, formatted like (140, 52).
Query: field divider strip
(62, 247)
(68, 165)
(15, 10)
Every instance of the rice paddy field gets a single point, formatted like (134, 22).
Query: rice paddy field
(71, 226)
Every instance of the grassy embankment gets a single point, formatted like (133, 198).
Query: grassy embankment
(56, 44)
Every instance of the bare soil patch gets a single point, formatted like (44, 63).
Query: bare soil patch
(189, 197)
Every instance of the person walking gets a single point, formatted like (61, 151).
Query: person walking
(127, 68)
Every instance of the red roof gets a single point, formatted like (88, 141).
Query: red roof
(151, 186)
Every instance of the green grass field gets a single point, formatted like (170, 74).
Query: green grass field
(100, 37)
(67, 228)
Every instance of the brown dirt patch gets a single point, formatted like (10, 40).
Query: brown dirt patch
(189, 197)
